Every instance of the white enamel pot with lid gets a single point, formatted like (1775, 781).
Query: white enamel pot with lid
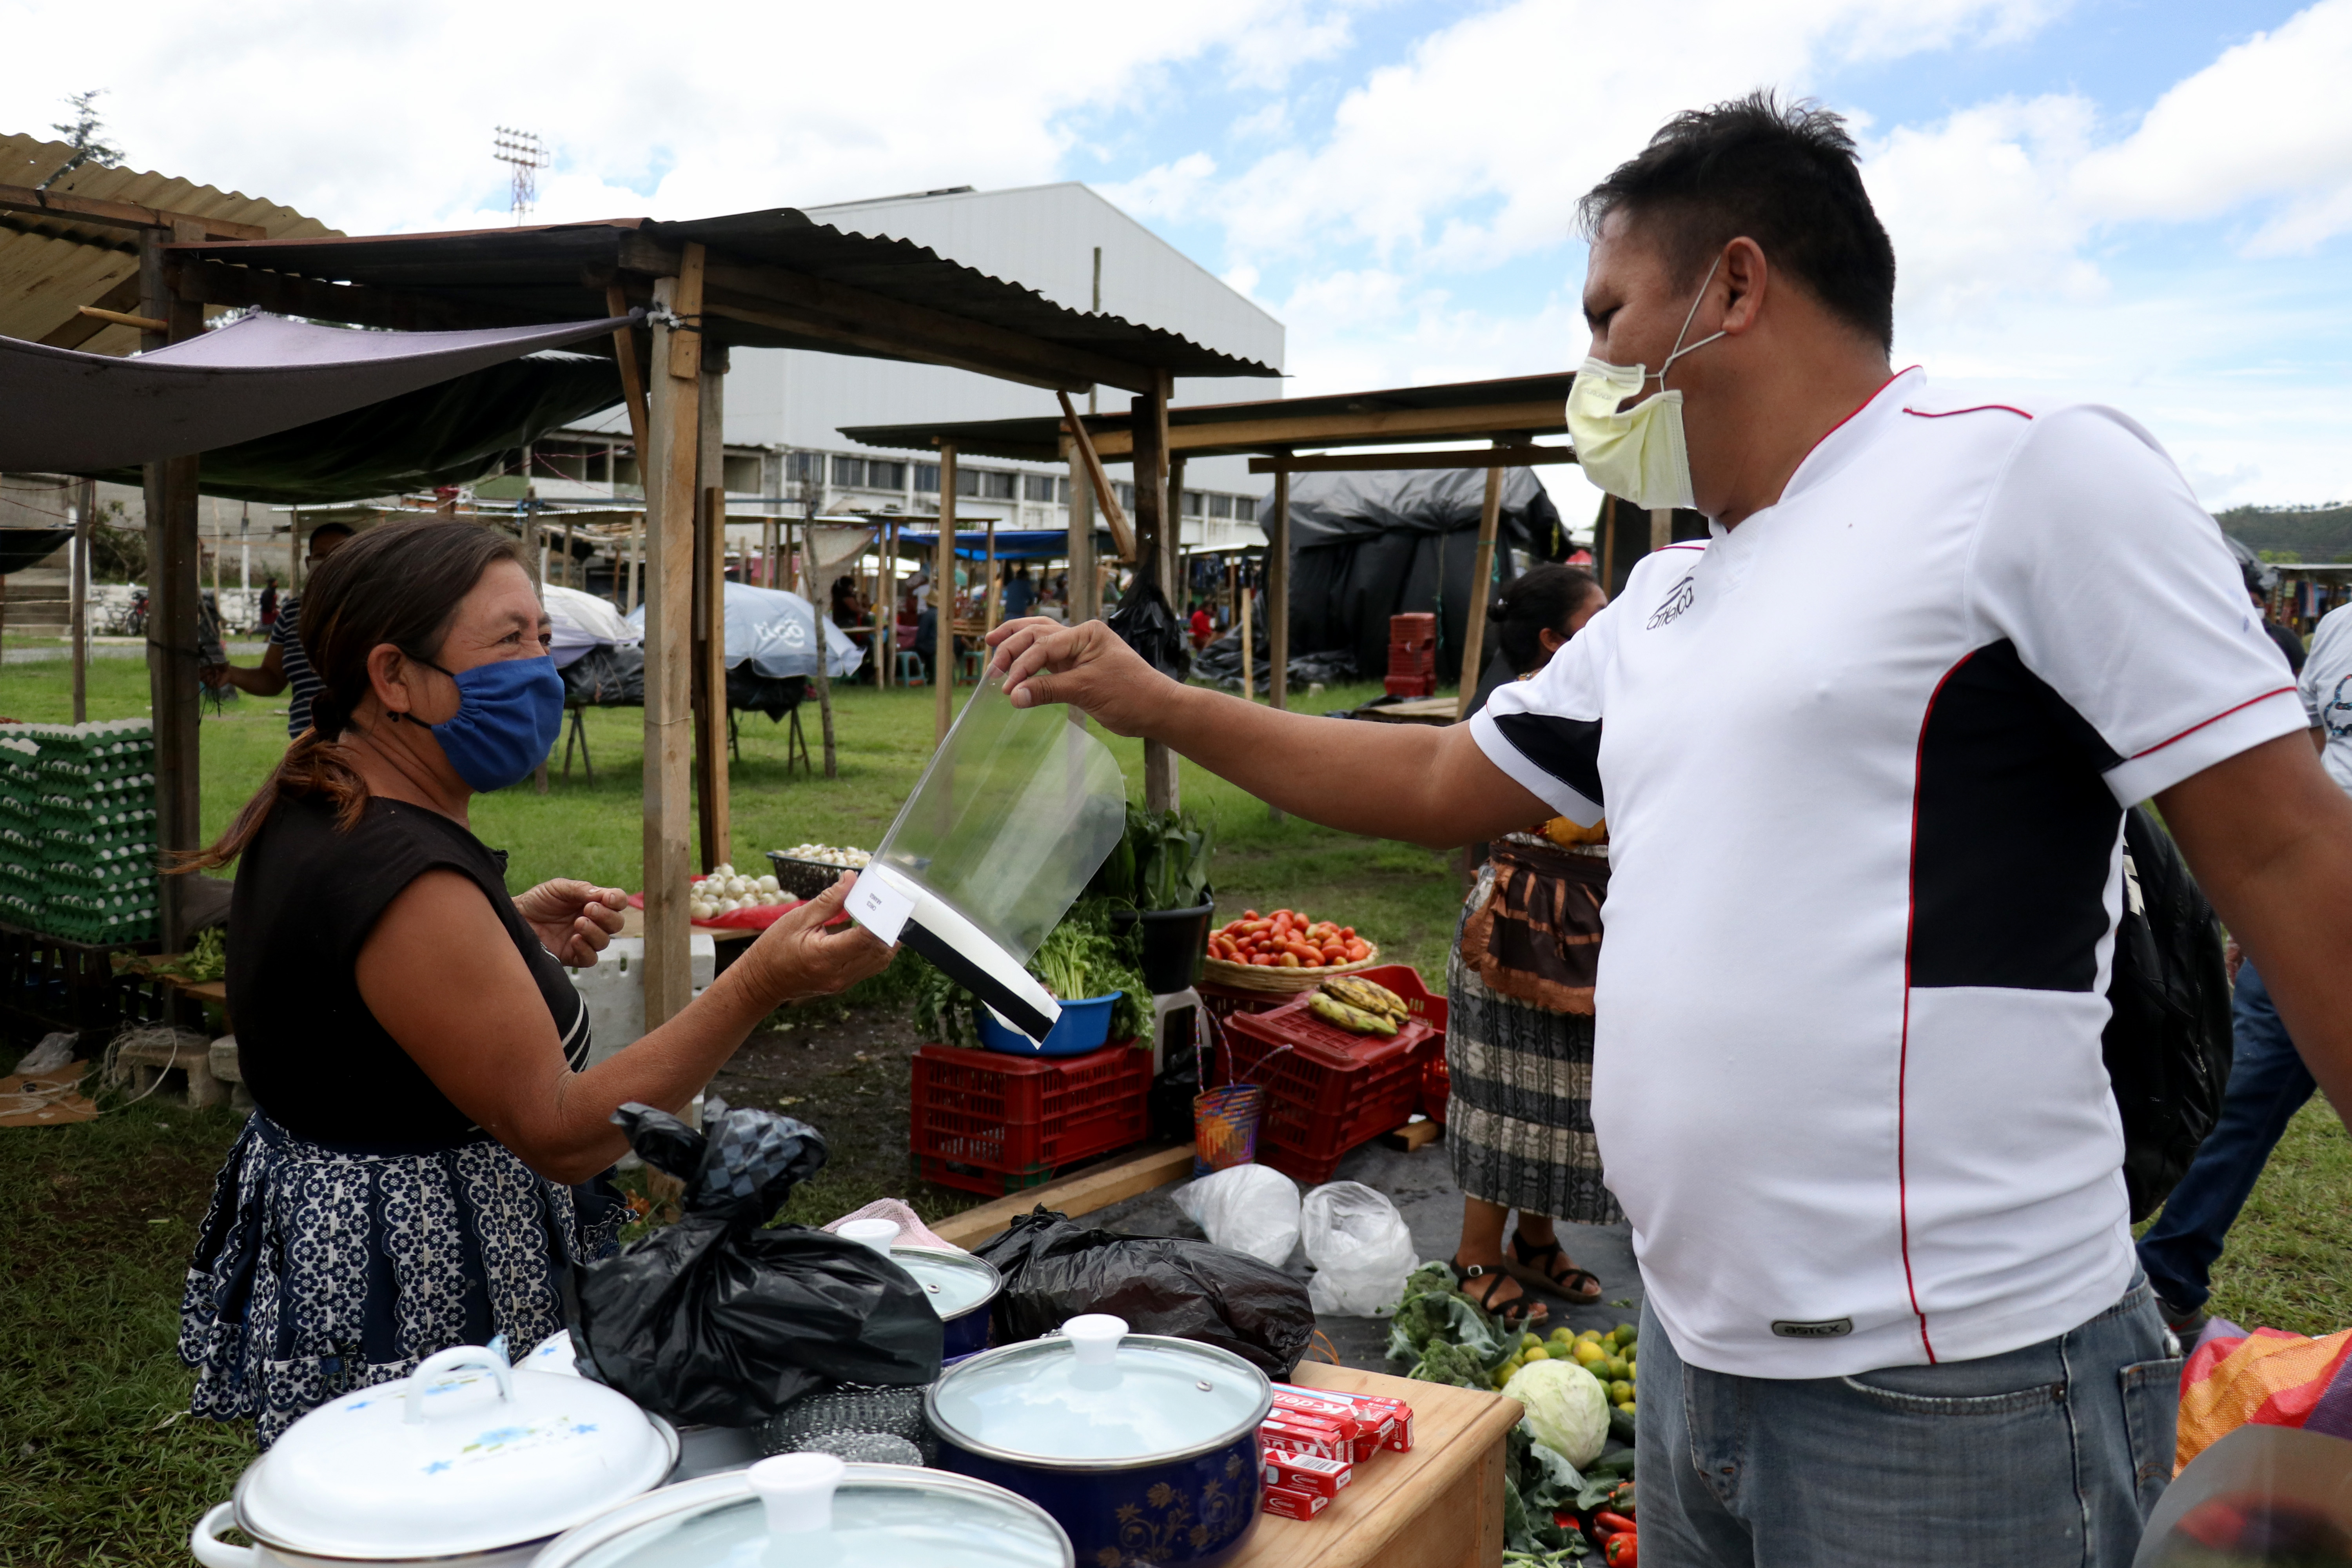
(467, 1463)
(812, 1511)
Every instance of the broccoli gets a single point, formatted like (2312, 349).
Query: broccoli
(1444, 1361)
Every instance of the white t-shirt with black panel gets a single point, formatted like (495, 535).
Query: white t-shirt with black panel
(1865, 760)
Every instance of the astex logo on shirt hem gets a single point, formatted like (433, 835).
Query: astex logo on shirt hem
(1826, 1329)
(1678, 599)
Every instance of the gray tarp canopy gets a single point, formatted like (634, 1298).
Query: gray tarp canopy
(776, 631)
(79, 413)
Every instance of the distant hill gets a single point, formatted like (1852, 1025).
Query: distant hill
(2323, 533)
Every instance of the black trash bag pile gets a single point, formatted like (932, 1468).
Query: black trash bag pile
(1220, 664)
(716, 1320)
(1054, 1270)
(606, 678)
(1144, 622)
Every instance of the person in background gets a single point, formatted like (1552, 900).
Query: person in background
(1020, 592)
(2288, 642)
(285, 664)
(1202, 627)
(848, 607)
(424, 1166)
(2268, 1082)
(1518, 1033)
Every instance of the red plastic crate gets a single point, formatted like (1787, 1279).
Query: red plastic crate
(1417, 627)
(1326, 1090)
(988, 1122)
(1411, 685)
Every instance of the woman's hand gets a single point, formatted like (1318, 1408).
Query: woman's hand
(574, 920)
(796, 957)
(1085, 666)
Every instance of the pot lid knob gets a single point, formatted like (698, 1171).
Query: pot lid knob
(1094, 1337)
(878, 1234)
(797, 1489)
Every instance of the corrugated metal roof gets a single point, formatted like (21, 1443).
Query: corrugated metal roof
(552, 272)
(48, 265)
(1534, 405)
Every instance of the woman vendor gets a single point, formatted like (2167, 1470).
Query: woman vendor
(1518, 1036)
(423, 1162)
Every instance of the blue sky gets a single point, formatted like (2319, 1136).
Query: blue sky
(2143, 204)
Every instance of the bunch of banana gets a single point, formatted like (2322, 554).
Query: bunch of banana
(1355, 1020)
(1363, 993)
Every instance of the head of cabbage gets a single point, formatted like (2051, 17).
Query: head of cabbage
(1568, 1410)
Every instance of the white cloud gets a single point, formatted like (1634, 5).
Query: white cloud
(1170, 192)
(2270, 119)
(1981, 207)
(375, 115)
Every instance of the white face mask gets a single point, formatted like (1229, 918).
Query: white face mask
(1639, 453)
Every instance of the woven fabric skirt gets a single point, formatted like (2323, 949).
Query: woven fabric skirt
(1518, 1118)
(319, 1271)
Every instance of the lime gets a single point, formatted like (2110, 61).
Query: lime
(1529, 1342)
(1621, 1392)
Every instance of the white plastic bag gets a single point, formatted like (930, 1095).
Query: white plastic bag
(1245, 1208)
(1361, 1249)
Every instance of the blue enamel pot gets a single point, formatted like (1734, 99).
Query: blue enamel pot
(1143, 1448)
(962, 1289)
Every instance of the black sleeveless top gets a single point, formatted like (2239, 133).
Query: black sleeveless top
(307, 897)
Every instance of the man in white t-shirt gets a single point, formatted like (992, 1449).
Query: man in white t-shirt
(1864, 757)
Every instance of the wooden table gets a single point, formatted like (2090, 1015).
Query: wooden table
(1440, 1506)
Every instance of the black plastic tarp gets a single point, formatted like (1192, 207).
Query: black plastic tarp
(448, 434)
(24, 548)
(1366, 546)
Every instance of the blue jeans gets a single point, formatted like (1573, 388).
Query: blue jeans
(2037, 1458)
(2268, 1084)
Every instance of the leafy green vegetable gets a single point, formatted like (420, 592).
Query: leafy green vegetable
(1432, 1309)
(1161, 862)
(1567, 1409)
(206, 958)
(1082, 957)
(1444, 1361)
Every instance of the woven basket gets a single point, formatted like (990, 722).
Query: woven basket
(1279, 982)
(805, 879)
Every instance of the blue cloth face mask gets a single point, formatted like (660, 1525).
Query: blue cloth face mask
(509, 712)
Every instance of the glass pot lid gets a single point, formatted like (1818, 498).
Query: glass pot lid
(957, 1283)
(811, 1511)
(466, 1454)
(1098, 1395)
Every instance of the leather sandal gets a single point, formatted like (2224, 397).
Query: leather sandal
(1517, 1315)
(1535, 1266)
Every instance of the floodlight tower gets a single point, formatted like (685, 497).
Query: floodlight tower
(528, 154)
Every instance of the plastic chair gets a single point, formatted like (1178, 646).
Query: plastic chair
(969, 666)
(911, 668)
(1176, 1002)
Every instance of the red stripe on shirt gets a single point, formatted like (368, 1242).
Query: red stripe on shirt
(2249, 702)
(1903, 1058)
(1978, 408)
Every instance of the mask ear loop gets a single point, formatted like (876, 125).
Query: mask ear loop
(1696, 301)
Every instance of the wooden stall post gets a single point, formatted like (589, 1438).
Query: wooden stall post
(668, 473)
(943, 600)
(1482, 571)
(1086, 588)
(1662, 527)
(637, 560)
(78, 598)
(534, 551)
(1278, 602)
(996, 596)
(1155, 539)
(710, 611)
(824, 616)
(569, 579)
(171, 593)
(886, 607)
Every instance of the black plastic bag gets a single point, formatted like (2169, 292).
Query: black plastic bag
(1144, 622)
(1054, 1270)
(716, 1320)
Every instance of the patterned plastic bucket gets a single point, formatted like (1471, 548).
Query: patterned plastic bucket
(1224, 1127)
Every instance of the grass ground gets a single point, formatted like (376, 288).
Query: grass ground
(98, 1466)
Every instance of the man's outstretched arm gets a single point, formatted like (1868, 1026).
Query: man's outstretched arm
(2270, 837)
(1414, 782)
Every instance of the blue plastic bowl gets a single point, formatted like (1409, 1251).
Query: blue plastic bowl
(1083, 1026)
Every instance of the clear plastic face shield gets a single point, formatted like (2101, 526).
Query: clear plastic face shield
(2261, 1494)
(1018, 809)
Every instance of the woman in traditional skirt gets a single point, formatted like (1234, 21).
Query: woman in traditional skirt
(1518, 1035)
(424, 1164)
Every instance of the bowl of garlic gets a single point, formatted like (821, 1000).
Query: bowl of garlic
(808, 869)
(724, 891)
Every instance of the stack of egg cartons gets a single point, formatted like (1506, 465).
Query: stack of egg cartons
(95, 829)
(21, 853)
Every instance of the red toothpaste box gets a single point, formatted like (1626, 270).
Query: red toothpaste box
(1297, 1435)
(1306, 1473)
(1365, 1430)
(1283, 1503)
(1399, 1418)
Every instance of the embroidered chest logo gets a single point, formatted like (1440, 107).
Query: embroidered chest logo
(1676, 600)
